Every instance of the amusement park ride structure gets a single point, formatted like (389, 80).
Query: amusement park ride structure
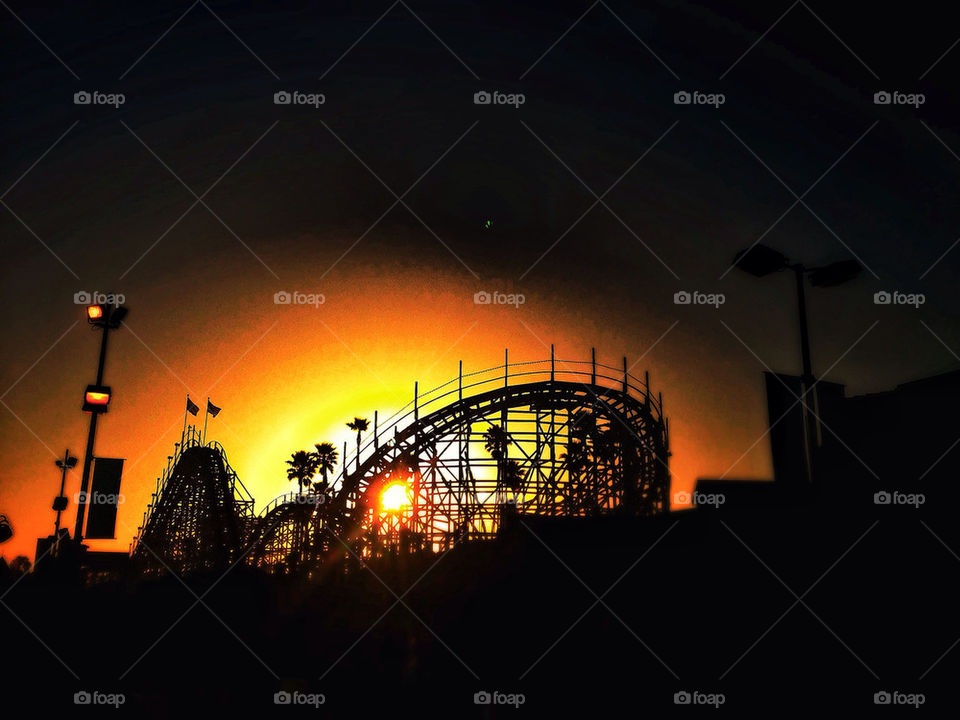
(544, 438)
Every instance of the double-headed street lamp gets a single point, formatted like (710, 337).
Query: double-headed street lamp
(96, 398)
(760, 260)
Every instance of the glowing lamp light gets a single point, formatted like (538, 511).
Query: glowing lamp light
(106, 316)
(96, 398)
(394, 497)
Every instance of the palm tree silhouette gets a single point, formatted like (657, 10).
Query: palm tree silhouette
(360, 425)
(615, 452)
(512, 476)
(302, 468)
(575, 460)
(607, 446)
(496, 441)
(325, 458)
(584, 425)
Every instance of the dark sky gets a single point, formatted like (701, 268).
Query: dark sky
(291, 196)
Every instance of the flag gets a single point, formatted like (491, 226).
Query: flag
(212, 409)
(192, 407)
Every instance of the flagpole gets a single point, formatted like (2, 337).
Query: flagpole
(206, 414)
(183, 433)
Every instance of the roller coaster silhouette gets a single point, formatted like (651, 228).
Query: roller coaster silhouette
(545, 438)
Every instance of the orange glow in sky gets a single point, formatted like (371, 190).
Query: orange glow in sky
(288, 376)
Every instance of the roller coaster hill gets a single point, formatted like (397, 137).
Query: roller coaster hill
(573, 441)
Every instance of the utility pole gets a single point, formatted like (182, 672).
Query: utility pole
(97, 397)
(88, 455)
(760, 260)
(60, 502)
(811, 429)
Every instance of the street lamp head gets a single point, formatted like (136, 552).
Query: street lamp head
(96, 399)
(71, 463)
(835, 273)
(106, 316)
(760, 260)
(117, 316)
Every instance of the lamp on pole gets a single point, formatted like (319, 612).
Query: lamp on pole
(60, 502)
(97, 397)
(760, 260)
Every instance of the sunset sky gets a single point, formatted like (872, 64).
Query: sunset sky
(298, 191)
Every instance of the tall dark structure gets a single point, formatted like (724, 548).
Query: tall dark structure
(200, 517)
(895, 441)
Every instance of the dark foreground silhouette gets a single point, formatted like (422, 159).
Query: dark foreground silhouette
(784, 597)
(687, 590)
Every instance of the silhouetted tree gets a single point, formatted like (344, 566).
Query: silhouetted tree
(496, 441)
(575, 459)
(360, 425)
(302, 468)
(20, 565)
(606, 447)
(512, 476)
(325, 458)
(583, 430)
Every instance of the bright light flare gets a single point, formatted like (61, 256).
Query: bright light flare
(394, 497)
(94, 312)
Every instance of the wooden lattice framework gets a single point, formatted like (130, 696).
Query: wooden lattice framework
(546, 438)
(201, 516)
